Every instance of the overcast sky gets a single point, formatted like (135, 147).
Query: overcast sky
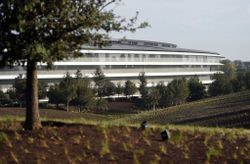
(221, 26)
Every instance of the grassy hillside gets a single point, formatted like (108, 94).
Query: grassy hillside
(229, 111)
(106, 143)
(47, 114)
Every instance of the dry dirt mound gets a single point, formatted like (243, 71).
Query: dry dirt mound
(72, 143)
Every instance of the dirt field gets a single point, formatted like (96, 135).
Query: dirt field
(67, 143)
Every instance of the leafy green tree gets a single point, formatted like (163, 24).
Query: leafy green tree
(103, 86)
(130, 88)
(109, 88)
(220, 86)
(177, 91)
(143, 89)
(4, 99)
(119, 89)
(247, 80)
(46, 31)
(164, 94)
(42, 89)
(74, 91)
(67, 87)
(143, 84)
(12, 95)
(242, 81)
(196, 88)
(229, 69)
(101, 104)
(237, 85)
(19, 89)
(55, 95)
(99, 79)
(85, 98)
(153, 98)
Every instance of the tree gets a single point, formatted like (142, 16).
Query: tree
(104, 87)
(99, 79)
(177, 91)
(143, 84)
(19, 87)
(109, 88)
(85, 97)
(4, 99)
(164, 94)
(12, 96)
(143, 89)
(237, 85)
(67, 87)
(229, 69)
(55, 95)
(196, 88)
(130, 88)
(48, 31)
(220, 86)
(42, 89)
(119, 89)
(19, 90)
(153, 98)
(247, 80)
(74, 91)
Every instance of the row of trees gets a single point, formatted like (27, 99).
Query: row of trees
(104, 87)
(17, 95)
(181, 90)
(72, 90)
(76, 91)
(233, 80)
(176, 92)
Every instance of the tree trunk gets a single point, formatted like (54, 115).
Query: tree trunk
(32, 107)
(67, 106)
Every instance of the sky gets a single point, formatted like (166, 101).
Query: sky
(221, 26)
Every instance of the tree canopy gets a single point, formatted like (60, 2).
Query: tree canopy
(34, 31)
(48, 31)
(130, 88)
(196, 88)
(229, 69)
(177, 91)
(220, 86)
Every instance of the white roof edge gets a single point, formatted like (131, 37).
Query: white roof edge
(150, 52)
(131, 63)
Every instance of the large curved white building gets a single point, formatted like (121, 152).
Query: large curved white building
(124, 59)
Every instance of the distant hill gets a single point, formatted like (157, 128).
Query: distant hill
(231, 110)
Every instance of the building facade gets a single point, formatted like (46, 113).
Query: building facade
(124, 59)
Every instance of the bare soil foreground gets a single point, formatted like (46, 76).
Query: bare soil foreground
(84, 143)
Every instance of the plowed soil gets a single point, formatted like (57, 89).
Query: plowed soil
(75, 143)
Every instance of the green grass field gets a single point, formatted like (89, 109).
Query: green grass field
(228, 111)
